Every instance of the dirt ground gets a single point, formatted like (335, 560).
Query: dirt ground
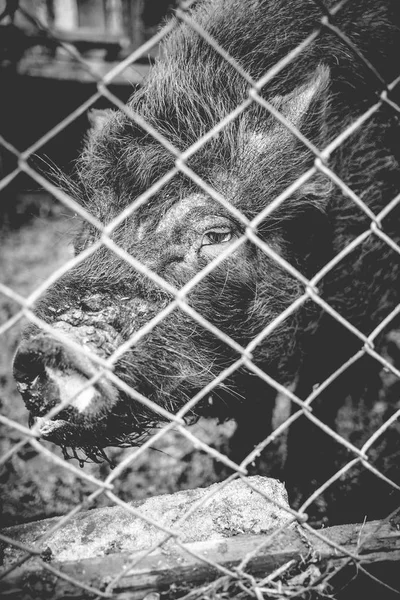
(34, 487)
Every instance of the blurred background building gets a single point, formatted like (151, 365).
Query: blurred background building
(52, 54)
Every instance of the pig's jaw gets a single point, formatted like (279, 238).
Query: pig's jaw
(86, 442)
(80, 443)
(67, 436)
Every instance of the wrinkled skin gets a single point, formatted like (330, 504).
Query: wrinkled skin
(176, 233)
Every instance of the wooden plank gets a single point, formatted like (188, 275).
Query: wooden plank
(93, 38)
(65, 69)
(373, 542)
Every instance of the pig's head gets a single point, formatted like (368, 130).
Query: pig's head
(105, 302)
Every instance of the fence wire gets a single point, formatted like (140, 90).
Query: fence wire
(358, 456)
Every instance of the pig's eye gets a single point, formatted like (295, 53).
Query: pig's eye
(219, 235)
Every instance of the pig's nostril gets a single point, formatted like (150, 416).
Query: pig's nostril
(27, 366)
(43, 383)
(37, 390)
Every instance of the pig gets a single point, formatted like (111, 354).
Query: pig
(187, 222)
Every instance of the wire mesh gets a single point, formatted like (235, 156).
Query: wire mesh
(178, 299)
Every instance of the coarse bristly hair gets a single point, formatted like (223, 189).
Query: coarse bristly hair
(250, 162)
(191, 88)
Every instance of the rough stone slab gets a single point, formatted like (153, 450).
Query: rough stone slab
(174, 573)
(233, 509)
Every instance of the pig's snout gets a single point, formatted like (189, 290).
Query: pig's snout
(48, 375)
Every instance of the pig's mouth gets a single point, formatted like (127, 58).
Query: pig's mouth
(80, 443)
(67, 435)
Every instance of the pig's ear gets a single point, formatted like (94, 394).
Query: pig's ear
(99, 117)
(305, 107)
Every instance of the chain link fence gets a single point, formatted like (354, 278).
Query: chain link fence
(237, 581)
